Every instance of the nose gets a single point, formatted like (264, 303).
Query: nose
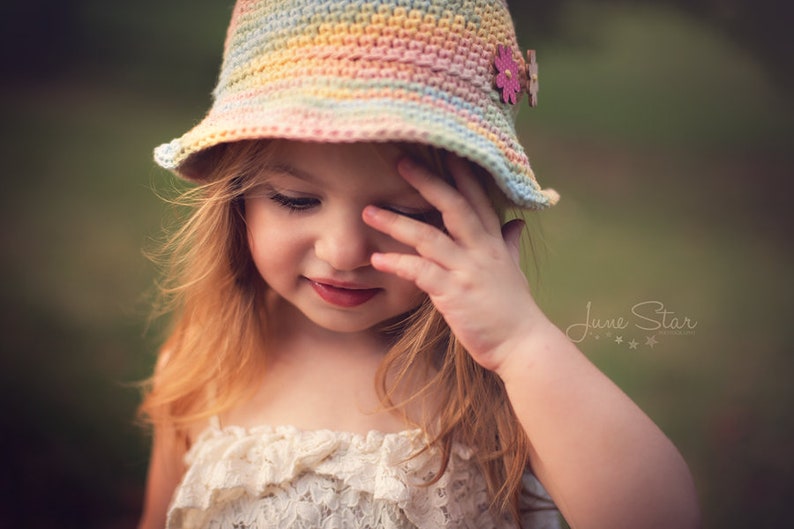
(345, 242)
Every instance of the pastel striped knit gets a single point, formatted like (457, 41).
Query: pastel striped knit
(342, 71)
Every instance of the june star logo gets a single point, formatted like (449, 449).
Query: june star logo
(648, 320)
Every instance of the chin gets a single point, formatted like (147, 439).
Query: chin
(347, 325)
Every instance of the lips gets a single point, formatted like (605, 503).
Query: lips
(342, 294)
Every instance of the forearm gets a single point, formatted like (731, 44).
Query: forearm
(605, 463)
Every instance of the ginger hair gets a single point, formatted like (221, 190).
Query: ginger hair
(214, 296)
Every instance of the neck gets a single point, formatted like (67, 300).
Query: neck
(317, 379)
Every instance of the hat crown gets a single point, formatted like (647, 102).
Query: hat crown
(382, 70)
(453, 38)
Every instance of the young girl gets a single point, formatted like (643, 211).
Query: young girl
(354, 343)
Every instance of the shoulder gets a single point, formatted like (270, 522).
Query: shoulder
(166, 465)
(166, 468)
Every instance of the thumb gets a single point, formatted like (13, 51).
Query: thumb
(511, 233)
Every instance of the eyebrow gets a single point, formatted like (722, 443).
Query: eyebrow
(290, 171)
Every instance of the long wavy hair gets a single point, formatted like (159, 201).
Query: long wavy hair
(215, 298)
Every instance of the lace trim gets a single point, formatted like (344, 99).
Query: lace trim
(302, 477)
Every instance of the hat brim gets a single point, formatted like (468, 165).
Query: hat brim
(363, 115)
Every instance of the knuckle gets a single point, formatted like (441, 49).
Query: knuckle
(457, 203)
(425, 236)
(467, 283)
(404, 267)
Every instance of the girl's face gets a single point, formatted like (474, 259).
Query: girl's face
(308, 240)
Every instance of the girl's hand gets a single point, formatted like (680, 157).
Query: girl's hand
(472, 272)
(472, 276)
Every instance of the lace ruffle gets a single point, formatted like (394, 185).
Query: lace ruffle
(285, 477)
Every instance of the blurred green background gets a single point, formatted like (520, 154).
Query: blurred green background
(666, 126)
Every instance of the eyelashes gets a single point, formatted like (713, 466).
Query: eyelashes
(302, 204)
(293, 203)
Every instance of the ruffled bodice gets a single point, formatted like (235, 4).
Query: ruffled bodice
(282, 477)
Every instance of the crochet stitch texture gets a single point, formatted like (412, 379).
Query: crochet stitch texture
(346, 70)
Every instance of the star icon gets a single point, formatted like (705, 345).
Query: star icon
(650, 341)
(633, 344)
(618, 339)
(597, 336)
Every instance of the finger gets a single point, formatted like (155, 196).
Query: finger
(427, 240)
(460, 219)
(511, 233)
(425, 274)
(470, 187)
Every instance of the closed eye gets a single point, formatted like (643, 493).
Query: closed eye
(293, 203)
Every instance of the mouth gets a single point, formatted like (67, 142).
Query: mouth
(343, 294)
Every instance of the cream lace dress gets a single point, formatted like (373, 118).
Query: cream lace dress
(282, 477)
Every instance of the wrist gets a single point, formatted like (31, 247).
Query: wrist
(539, 342)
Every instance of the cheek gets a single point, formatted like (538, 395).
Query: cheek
(262, 225)
(268, 248)
(407, 294)
(380, 242)
(264, 239)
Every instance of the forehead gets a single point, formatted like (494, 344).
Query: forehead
(343, 166)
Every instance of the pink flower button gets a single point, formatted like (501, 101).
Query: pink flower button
(507, 74)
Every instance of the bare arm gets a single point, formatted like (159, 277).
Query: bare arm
(604, 462)
(165, 471)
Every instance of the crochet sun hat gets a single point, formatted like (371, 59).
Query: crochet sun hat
(436, 72)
